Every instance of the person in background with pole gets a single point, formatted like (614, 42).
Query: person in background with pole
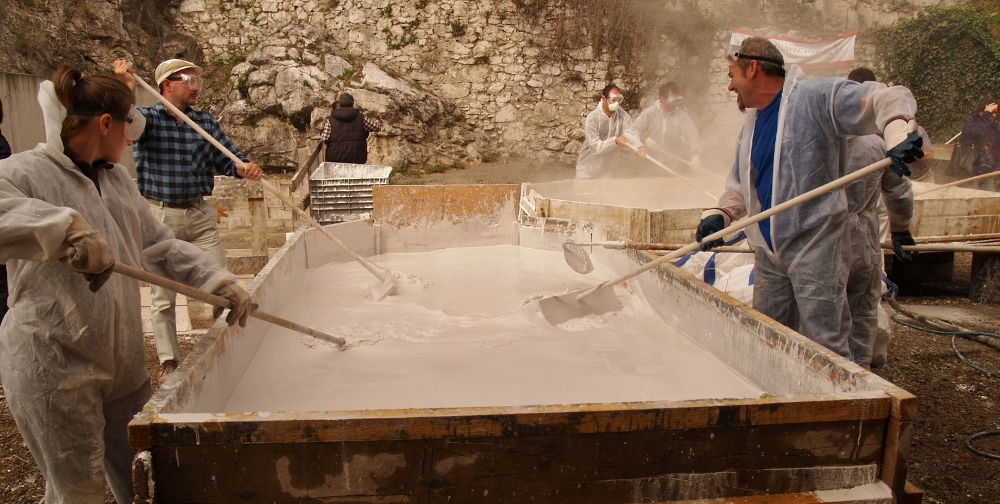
(608, 133)
(866, 263)
(668, 128)
(71, 347)
(790, 144)
(176, 170)
(4, 154)
(981, 132)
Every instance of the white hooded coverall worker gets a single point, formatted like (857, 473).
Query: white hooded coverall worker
(865, 197)
(799, 258)
(72, 360)
(864, 280)
(667, 130)
(608, 132)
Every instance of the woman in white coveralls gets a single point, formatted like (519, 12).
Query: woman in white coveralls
(71, 348)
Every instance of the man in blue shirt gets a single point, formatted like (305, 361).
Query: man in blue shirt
(791, 144)
(176, 170)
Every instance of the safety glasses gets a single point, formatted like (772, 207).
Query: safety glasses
(135, 122)
(193, 81)
(615, 98)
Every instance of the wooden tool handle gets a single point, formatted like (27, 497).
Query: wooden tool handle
(740, 225)
(674, 173)
(959, 182)
(212, 299)
(267, 185)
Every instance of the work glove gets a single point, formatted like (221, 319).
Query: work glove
(713, 220)
(903, 144)
(695, 162)
(650, 144)
(88, 253)
(900, 238)
(239, 300)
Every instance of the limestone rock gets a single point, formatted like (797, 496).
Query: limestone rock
(335, 66)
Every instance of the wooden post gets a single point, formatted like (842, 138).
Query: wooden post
(258, 218)
(985, 285)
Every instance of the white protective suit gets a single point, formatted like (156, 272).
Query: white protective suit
(72, 361)
(599, 155)
(674, 133)
(800, 283)
(864, 280)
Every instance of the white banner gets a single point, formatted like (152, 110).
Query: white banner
(833, 53)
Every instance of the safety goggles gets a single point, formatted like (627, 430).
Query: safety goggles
(615, 98)
(135, 122)
(674, 100)
(193, 81)
(735, 54)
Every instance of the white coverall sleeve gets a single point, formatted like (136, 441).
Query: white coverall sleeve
(629, 132)
(592, 137)
(178, 260)
(31, 229)
(643, 123)
(732, 197)
(897, 193)
(866, 108)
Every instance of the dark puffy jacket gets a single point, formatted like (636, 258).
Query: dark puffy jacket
(348, 137)
(4, 148)
(985, 134)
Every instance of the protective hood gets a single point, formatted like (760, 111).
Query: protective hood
(53, 115)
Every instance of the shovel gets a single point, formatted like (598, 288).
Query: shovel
(674, 173)
(600, 299)
(212, 299)
(578, 258)
(376, 293)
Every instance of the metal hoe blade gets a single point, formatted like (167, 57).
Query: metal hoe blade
(379, 292)
(559, 309)
(577, 258)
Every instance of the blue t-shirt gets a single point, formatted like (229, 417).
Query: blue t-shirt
(765, 132)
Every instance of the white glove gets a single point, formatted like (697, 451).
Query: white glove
(895, 132)
(87, 252)
(695, 162)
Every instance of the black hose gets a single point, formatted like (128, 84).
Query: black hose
(954, 334)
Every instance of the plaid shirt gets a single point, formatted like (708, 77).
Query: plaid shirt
(371, 126)
(174, 163)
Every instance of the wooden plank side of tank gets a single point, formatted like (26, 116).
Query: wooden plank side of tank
(673, 226)
(380, 425)
(956, 225)
(605, 467)
(630, 223)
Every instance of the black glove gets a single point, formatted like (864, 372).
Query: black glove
(907, 151)
(710, 225)
(97, 280)
(898, 240)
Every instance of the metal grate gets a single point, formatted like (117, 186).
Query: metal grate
(342, 191)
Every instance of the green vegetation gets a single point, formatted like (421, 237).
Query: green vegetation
(457, 28)
(434, 169)
(387, 11)
(346, 74)
(421, 4)
(948, 57)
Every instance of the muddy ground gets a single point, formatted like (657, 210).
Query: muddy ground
(955, 400)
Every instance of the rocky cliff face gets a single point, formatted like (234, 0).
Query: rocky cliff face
(454, 82)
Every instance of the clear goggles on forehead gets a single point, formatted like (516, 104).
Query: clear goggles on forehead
(135, 122)
(192, 80)
(615, 98)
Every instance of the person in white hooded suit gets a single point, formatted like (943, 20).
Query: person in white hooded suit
(71, 346)
(791, 144)
(608, 135)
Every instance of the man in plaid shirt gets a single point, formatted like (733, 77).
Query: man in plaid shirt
(176, 170)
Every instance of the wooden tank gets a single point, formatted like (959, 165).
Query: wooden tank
(825, 430)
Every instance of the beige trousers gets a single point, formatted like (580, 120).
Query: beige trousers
(196, 225)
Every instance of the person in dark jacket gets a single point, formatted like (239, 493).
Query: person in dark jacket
(982, 130)
(346, 131)
(4, 153)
